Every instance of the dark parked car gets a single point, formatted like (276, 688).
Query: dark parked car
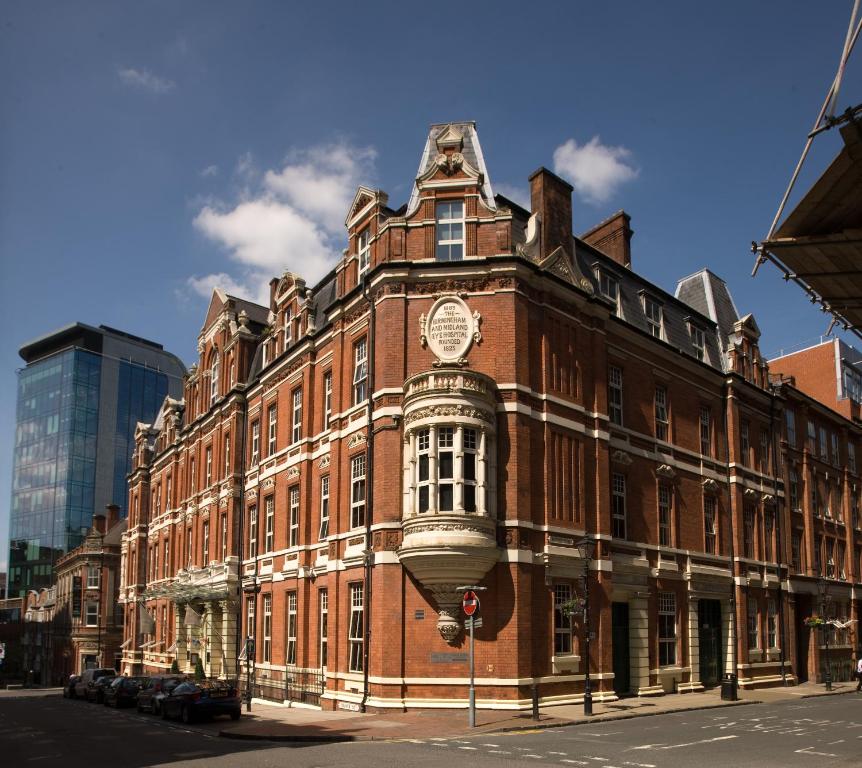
(69, 687)
(193, 700)
(96, 691)
(123, 691)
(154, 690)
(88, 678)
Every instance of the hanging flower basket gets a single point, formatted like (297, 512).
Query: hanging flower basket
(573, 606)
(814, 621)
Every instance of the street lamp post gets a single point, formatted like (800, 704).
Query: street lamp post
(825, 597)
(587, 547)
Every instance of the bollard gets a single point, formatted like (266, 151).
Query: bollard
(535, 692)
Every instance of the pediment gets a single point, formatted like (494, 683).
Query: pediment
(450, 136)
(561, 264)
(748, 325)
(362, 200)
(216, 306)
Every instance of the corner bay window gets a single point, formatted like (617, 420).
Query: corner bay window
(446, 468)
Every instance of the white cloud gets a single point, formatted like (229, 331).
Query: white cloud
(145, 80)
(209, 171)
(321, 181)
(290, 218)
(595, 170)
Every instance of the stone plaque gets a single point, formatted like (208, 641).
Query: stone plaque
(449, 658)
(450, 329)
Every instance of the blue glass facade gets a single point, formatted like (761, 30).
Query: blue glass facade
(140, 393)
(79, 400)
(54, 463)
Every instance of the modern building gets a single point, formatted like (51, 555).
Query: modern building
(475, 396)
(80, 396)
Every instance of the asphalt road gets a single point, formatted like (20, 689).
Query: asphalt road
(43, 730)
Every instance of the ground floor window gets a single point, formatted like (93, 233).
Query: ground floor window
(290, 657)
(355, 637)
(753, 630)
(323, 597)
(772, 624)
(267, 629)
(92, 615)
(562, 620)
(666, 629)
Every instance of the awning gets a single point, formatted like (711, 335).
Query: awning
(819, 245)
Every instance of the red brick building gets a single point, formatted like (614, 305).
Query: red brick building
(469, 392)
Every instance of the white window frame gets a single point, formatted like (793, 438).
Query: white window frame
(293, 498)
(446, 245)
(267, 628)
(224, 536)
(92, 577)
(363, 251)
(771, 623)
(705, 430)
(323, 626)
(667, 629)
(323, 532)
(272, 434)
(609, 287)
(250, 623)
(654, 316)
(290, 650)
(255, 442)
(618, 506)
(662, 422)
(753, 624)
(214, 376)
(269, 518)
(357, 491)
(296, 425)
(563, 645)
(91, 613)
(208, 458)
(710, 528)
(360, 370)
(698, 342)
(615, 395)
(206, 542)
(356, 630)
(227, 455)
(327, 399)
(252, 531)
(665, 515)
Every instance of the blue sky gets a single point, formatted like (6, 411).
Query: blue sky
(151, 149)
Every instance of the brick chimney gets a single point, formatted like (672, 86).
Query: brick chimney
(551, 199)
(613, 237)
(99, 523)
(113, 516)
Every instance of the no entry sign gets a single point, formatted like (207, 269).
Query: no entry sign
(470, 602)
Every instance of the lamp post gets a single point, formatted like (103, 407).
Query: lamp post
(825, 597)
(587, 546)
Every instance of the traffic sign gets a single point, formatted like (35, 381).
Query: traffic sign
(470, 602)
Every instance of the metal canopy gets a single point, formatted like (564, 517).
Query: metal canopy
(819, 245)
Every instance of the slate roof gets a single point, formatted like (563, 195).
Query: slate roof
(472, 152)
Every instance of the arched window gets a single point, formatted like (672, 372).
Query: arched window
(214, 374)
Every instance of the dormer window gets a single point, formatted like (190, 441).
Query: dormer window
(363, 251)
(288, 327)
(698, 342)
(653, 312)
(214, 374)
(450, 231)
(610, 289)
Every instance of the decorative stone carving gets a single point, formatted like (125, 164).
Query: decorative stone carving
(292, 473)
(665, 470)
(709, 485)
(324, 461)
(447, 411)
(621, 457)
(358, 438)
(450, 330)
(268, 483)
(749, 493)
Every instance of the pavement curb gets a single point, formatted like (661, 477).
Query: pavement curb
(323, 739)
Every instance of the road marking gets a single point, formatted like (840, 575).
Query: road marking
(574, 762)
(438, 744)
(498, 752)
(490, 745)
(535, 757)
(687, 744)
(840, 741)
(639, 765)
(473, 748)
(557, 753)
(809, 751)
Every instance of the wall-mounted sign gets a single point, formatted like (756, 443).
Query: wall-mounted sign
(450, 329)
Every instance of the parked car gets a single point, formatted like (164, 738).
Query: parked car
(96, 691)
(154, 690)
(88, 677)
(193, 700)
(123, 691)
(69, 687)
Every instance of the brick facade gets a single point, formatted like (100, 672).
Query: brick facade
(465, 396)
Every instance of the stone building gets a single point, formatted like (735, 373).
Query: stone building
(470, 392)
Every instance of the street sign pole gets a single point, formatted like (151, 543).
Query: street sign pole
(472, 716)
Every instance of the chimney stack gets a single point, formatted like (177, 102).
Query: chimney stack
(551, 199)
(613, 237)
(113, 516)
(99, 523)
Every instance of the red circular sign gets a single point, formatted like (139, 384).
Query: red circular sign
(470, 602)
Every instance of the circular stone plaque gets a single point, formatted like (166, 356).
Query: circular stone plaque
(450, 329)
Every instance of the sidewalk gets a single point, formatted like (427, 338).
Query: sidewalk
(271, 722)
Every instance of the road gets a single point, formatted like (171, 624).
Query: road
(41, 730)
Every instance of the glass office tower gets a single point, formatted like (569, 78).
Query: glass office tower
(79, 398)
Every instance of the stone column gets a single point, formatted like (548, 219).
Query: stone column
(214, 643)
(180, 653)
(639, 647)
(228, 638)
